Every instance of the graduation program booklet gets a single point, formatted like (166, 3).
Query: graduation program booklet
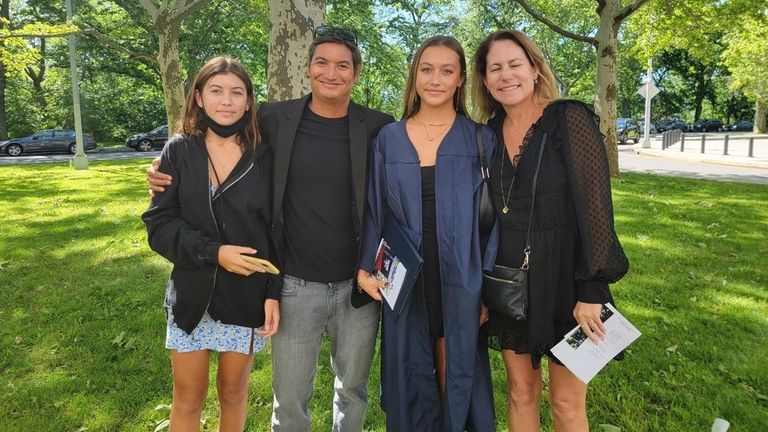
(391, 270)
(398, 263)
(585, 358)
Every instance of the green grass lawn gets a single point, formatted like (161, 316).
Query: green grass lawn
(82, 326)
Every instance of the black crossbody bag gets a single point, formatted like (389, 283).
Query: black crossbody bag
(505, 289)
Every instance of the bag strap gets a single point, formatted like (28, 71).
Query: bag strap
(480, 153)
(527, 250)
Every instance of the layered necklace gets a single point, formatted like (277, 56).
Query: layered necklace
(443, 127)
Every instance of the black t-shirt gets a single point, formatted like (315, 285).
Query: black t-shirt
(318, 204)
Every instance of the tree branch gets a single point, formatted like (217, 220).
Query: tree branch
(116, 46)
(151, 8)
(189, 9)
(538, 16)
(629, 10)
(44, 35)
(492, 16)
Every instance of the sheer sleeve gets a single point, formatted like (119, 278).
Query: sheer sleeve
(601, 258)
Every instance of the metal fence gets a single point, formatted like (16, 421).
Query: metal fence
(744, 145)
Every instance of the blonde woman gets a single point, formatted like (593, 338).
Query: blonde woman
(575, 253)
(425, 174)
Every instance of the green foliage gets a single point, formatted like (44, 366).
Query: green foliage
(81, 345)
(747, 57)
(15, 52)
(705, 72)
(384, 62)
(693, 66)
(226, 27)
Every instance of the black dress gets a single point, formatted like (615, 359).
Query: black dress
(430, 275)
(575, 252)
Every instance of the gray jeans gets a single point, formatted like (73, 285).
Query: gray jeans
(307, 310)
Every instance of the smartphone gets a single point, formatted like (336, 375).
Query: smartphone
(262, 262)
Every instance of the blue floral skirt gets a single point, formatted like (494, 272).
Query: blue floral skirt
(215, 336)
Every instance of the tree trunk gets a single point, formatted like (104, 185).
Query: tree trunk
(605, 102)
(3, 125)
(293, 24)
(4, 13)
(170, 68)
(699, 93)
(761, 109)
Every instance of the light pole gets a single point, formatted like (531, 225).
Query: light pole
(647, 128)
(80, 160)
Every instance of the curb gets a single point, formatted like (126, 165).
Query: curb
(112, 149)
(759, 163)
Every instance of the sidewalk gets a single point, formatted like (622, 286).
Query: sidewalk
(714, 143)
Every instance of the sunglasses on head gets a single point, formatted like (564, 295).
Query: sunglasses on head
(324, 32)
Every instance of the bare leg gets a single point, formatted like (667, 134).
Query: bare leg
(232, 384)
(190, 385)
(523, 392)
(440, 366)
(568, 399)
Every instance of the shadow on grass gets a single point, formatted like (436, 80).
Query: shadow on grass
(81, 343)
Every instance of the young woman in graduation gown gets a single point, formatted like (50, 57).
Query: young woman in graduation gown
(425, 175)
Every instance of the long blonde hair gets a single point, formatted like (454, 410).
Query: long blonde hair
(544, 91)
(412, 99)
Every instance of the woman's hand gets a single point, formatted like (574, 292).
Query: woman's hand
(368, 283)
(271, 319)
(484, 313)
(230, 259)
(156, 179)
(588, 317)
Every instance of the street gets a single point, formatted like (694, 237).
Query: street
(631, 162)
(628, 162)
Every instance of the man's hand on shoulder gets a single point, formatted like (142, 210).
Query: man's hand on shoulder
(157, 180)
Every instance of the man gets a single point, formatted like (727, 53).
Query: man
(321, 145)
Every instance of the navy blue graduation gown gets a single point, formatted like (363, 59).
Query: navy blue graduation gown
(409, 393)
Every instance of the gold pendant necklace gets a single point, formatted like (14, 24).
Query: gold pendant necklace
(426, 129)
(504, 200)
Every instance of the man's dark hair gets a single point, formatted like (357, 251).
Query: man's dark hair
(339, 35)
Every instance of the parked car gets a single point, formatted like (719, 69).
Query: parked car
(741, 126)
(143, 142)
(627, 129)
(641, 123)
(707, 125)
(672, 125)
(49, 140)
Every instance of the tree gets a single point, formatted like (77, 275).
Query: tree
(605, 40)
(747, 59)
(16, 54)
(382, 79)
(167, 18)
(293, 24)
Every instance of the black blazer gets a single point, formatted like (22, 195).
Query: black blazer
(182, 227)
(278, 123)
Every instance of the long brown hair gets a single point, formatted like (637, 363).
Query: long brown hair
(412, 99)
(194, 116)
(544, 90)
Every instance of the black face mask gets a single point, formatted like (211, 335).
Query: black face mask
(225, 131)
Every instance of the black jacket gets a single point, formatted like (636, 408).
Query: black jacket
(186, 225)
(278, 123)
